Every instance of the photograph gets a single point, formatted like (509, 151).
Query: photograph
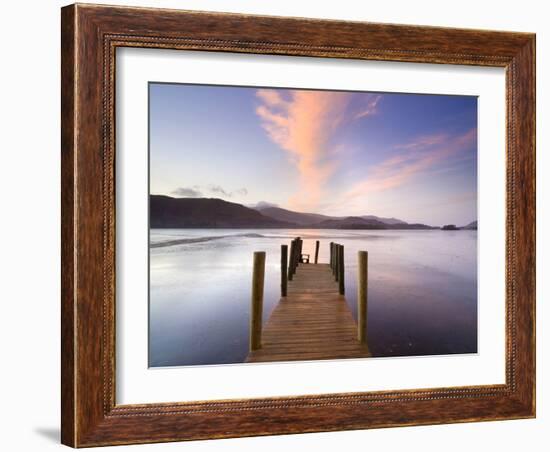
(280, 222)
(292, 224)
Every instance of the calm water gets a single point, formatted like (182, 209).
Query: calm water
(422, 290)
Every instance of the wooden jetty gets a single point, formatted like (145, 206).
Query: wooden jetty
(312, 319)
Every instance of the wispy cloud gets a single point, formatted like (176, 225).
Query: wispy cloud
(263, 205)
(217, 189)
(417, 157)
(196, 191)
(304, 124)
(424, 142)
(459, 198)
(270, 97)
(187, 192)
(370, 107)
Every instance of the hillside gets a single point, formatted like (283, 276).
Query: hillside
(168, 212)
(315, 219)
(362, 223)
(391, 221)
(471, 226)
(280, 214)
(350, 223)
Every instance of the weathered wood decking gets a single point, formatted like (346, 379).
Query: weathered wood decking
(312, 322)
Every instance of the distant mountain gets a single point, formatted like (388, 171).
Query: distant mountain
(450, 227)
(311, 219)
(472, 226)
(362, 223)
(168, 212)
(410, 226)
(292, 217)
(350, 223)
(384, 220)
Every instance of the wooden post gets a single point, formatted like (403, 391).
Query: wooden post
(296, 254)
(297, 259)
(316, 251)
(299, 256)
(284, 266)
(362, 295)
(336, 261)
(341, 269)
(257, 300)
(331, 255)
(291, 260)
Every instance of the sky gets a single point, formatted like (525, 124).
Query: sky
(340, 153)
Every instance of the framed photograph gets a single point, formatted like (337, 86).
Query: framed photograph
(281, 225)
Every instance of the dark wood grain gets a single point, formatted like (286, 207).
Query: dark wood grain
(68, 311)
(90, 36)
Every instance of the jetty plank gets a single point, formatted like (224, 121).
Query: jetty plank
(312, 322)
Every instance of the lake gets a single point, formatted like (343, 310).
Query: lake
(422, 296)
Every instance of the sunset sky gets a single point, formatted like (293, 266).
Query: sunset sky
(408, 156)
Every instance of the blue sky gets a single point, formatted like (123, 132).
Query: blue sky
(408, 156)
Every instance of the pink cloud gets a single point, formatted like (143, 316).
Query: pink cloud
(419, 156)
(270, 97)
(424, 141)
(371, 107)
(303, 125)
(456, 199)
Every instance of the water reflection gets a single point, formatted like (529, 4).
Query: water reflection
(422, 290)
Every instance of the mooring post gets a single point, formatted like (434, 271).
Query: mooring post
(299, 256)
(284, 266)
(336, 261)
(291, 259)
(334, 258)
(341, 269)
(257, 300)
(330, 255)
(362, 295)
(316, 251)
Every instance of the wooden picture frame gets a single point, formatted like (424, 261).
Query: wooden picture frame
(90, 36)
